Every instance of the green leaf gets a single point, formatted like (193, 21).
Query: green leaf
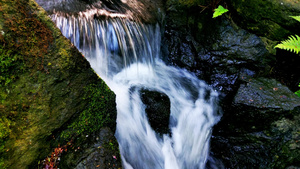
(291, 44)
(297, 93)
(296, 17)
(219, 11)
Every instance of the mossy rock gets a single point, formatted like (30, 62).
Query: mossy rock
(47, 88)
(269, 18)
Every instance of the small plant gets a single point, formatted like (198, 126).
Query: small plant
(298, 92)
(219, 11)
(52, 161)
(212, 4)
(296, 17)
(292, 43)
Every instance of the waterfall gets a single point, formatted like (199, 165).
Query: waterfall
(127, 56)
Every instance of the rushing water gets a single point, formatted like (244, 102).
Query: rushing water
(127, 56)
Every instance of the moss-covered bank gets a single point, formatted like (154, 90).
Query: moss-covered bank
(43, 82)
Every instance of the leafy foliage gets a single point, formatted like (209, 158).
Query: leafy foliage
(296, 17)
(297, 93)
(52, 161)
(291, 44)
(219, 11)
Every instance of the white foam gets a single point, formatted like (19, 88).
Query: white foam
(127, 56)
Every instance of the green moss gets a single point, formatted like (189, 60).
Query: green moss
(112, 145)
(11, 66)
(44, 80)
(99, 112)
(269, 45)
(5, 131)
(269, 18)
(24, 33)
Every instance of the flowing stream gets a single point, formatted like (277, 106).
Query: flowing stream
(127, 56)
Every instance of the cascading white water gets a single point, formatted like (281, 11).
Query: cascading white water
(127, 56)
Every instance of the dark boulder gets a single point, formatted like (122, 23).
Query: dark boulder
(260, 128)
(157, 108)
(271, 21)
(46, 88)
(101, 153)
(216, 50)
(259, 102)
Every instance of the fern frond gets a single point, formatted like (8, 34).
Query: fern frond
(291, 44)
(296, 17)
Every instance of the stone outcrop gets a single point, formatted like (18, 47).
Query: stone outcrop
(235, 54)
(101, 152)
(44, 87)
(260, 128)
(147, 11)
(215, 49)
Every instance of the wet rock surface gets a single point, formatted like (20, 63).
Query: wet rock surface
(265, 93)
(260, 128)
(101, 152)
(257, 104)
(249, 74)
(157, 109)
(216, 50)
